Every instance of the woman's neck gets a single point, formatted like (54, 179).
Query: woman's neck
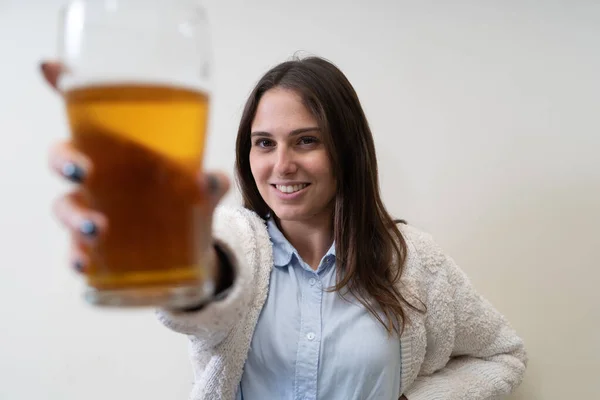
(311, 238)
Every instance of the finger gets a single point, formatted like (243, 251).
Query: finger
(214, 185)
(51, 70)
(85, 224)
(70, 163)
(79, 256)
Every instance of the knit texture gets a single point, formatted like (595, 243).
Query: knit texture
(462, 348)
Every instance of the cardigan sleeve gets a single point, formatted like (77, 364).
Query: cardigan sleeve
(235, 234)
(474, 353)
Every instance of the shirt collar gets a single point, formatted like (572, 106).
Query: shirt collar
(283, 251)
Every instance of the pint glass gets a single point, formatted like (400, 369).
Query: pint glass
(137, 93)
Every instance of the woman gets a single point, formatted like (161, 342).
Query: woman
(322, 295)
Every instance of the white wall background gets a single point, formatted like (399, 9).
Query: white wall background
(486, 117)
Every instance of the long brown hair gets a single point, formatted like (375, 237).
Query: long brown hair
(370, 249)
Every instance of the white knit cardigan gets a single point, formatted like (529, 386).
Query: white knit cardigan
(460, 349)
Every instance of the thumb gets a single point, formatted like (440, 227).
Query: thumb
(215, 185)
(51, 70)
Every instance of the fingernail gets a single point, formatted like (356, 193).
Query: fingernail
(88, 228)
(79, 265)
(73, 172)
(213, 184)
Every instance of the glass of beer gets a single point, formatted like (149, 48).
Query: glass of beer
(137, 93)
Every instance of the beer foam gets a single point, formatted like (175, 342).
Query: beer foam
(68, 82)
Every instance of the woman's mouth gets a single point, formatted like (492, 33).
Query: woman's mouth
(288, 189)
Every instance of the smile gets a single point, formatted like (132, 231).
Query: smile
(291, 188)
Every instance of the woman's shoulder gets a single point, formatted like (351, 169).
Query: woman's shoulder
(429, 266)
(423, 252)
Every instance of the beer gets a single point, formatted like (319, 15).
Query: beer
(146, 144)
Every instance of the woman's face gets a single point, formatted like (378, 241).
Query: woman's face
(288, 158)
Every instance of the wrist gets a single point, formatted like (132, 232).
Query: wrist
(224, 272)
(223, 275)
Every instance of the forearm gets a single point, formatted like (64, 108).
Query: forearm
(212, 321)
(469, 378)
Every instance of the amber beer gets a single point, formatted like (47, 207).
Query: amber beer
(146, 143)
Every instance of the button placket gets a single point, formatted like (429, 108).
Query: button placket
(309, 343)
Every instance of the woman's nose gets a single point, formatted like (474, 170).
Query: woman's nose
(286, 163)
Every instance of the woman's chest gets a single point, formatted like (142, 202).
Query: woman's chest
(304, 330)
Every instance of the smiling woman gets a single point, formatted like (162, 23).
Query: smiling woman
(321, 295)
(290, 162)
(342, 204)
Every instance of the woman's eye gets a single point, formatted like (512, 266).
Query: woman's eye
(263, 143)
(308, 140)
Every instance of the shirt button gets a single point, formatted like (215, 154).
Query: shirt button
(312, 281)
(310, 336)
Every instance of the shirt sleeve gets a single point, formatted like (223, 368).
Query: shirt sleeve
(235, 235)
(486, 359)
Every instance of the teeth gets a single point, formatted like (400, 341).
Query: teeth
(291, 189)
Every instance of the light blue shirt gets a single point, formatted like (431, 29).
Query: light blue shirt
(311, 344)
